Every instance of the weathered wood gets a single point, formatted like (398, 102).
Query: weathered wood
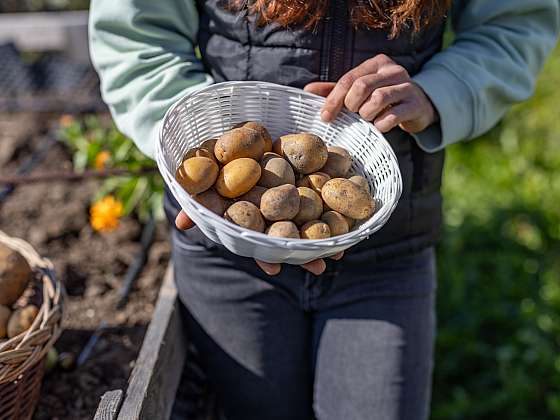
(156, 374)
(47, 31)
(109, 406)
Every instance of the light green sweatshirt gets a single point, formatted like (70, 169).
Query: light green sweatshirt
(144, 53)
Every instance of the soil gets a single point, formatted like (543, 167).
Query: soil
(53, 217)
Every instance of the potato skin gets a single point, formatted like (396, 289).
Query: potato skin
(347, 198)
(15, 274)
(315, 181)
(206, 149)
(254, 195)
(246, 215)
(310, 206)
(280, 203)
(212, 201)
(275, 171)
(239, 143)
(21, 320)
(259, 128)
(337, 223)
(5, 313)
(361, 181)
(197, 174)
(306, 152)
(283, 229)
(351, 222)
(315, 229)
(238, 177)
(338, 162)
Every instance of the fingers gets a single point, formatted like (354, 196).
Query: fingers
(315, 267)
(338, 256)
(183, 222)
(269, 268)
(384, 97)
(396, 115)
(320, 88)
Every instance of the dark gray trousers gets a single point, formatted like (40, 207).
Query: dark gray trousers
(355, 343)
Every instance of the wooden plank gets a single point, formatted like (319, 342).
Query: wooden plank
(155, 377)
(47, 31)
(108, 408)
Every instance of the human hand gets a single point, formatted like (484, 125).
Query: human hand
(381, 91)
(183, 222)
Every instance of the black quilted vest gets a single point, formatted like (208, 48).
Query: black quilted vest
(233, 47)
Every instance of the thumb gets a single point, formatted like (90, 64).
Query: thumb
(320, 88)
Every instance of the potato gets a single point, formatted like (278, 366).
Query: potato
(239, 143)
(238, 177)
(277, 146)
(21, 320)
(361, 181)
(254, 195)
(347, 198)
(284, 229)
(280, 203)
(275, 171)
(259, 128)
(315, 229)
(310, 206)
(337, 223)
(15, 274)
(209, 144)
(197, 174)
(212, 201)
(338, 162)
(246, 215)
(306, 152)
(5, 313)
(206, 149)
(351, 222)
(315, 181)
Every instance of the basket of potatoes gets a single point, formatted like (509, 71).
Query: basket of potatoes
(259, 172)
(30, 317)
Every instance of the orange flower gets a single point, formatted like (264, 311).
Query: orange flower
(66, 120)
(101, 160)
(105, 214)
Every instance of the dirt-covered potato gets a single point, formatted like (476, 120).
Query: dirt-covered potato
(15, 274)
(197, 174)
(212, 201)
(238, 177)
(246, 215)
(254, 195)
(280, 203)
(275, 171)
(315, 229)
(239, 143)
(283, 229)
(338, 162)
(21, 319)
(306, 152)
(259, 128)
(351, 222)
(206, 149)
(310, 206)
(361, 181)
(337, 223)
(315, 181)
(5, 313)
(209, 144)
(347, 198)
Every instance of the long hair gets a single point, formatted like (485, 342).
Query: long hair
(391, 15)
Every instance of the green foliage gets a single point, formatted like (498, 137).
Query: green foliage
(93, 137)
(498, 350)
(11, 6)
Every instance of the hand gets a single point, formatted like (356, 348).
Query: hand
(380, 91)
(183, 222)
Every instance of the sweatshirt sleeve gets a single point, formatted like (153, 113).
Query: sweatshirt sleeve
(143, 51)
(498, 51)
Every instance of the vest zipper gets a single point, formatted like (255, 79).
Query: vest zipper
(333, 51)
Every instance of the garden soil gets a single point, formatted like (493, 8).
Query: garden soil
(53, 217)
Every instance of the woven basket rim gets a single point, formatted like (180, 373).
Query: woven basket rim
(364, 230)
(23, 351)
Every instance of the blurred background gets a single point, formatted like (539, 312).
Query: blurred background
(498, 348)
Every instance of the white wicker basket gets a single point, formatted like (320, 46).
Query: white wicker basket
(209, 112)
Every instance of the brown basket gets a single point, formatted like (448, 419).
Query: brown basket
(22, 358)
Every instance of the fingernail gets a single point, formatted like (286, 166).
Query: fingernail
(326, 116)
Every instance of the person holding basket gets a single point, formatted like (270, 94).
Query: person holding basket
(350, 337)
